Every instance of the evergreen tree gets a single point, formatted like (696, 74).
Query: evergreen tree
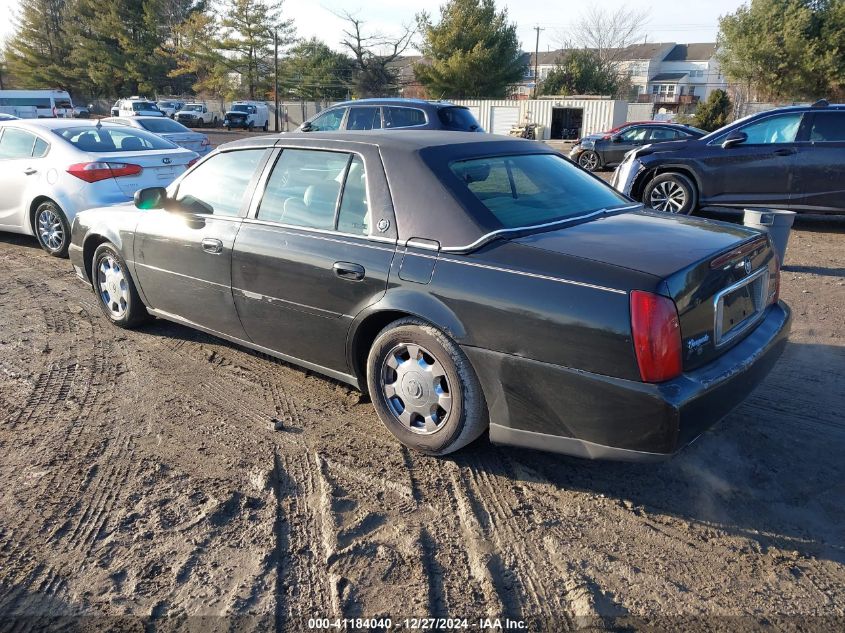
(38, 51)
(199, 60)
(248, 37)
(786, 49)
(713, 113)
(472, 52)
(316, 72)
(582, 72)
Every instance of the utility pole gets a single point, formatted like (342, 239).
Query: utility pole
(537, 61)
(276, 68)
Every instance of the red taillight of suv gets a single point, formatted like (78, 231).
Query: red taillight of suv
(657, 336)
(100, 170)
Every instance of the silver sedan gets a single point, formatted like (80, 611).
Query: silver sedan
(173, 131)
(51, 169)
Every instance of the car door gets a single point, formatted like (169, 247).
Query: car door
(620, 144)
(21, 169)
(315, 250)
(820, 164)
(183, 255)
(757, 172)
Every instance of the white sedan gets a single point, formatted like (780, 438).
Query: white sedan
(173, 131)
(51, 169)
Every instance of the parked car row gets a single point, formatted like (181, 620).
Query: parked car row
(400, 261)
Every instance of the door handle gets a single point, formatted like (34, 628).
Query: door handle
(347, 270)
(30, 170)
(213, 246)
(784, 152)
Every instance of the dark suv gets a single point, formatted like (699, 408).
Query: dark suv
(598, 151)
(390, 114)
(789, 158)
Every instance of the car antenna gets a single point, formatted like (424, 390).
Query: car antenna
(821, 103)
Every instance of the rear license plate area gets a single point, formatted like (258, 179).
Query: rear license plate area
(740, 306)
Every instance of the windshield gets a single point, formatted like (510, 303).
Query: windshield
(63, 103)
(166, 104)
(243, 108)
(141, 105)
(104, 139)
(526, 190)
(163, 126)
(458, 118)
(193, 108)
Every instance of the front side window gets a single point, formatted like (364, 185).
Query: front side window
(403, 117)
(217, 187)
(828, 127)
(304, 188)
(16, 144)
(364, 119)
(634, 134)
(112, 139)
(328, 121)
(531, 189)
(782, 128)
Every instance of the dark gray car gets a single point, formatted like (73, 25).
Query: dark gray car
(465, 281)
(393, 114)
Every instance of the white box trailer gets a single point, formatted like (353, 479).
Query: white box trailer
(560, 118)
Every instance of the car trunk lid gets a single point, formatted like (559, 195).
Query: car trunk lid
(158, 167)
(191, 141)
(718, 274)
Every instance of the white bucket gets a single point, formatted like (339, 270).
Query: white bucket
(777, 222)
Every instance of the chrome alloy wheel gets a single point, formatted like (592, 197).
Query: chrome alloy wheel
(50, 229)
(667, 196)
(114, 290)
(416, 389)
(589, 161)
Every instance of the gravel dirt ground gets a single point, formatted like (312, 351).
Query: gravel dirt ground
(141, 476)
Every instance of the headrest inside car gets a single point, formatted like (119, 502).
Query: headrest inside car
(475, 173)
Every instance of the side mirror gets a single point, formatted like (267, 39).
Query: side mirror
(306, 127)
(616, 139)
(734, 138)
(151, 198)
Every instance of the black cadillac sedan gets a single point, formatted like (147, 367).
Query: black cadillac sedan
(466, 282)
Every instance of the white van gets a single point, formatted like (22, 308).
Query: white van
(249, 115)
(137, 106)
(48, 104)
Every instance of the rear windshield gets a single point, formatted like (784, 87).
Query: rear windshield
(112, 139)
(163, 126)
(529, 189)
(457, 118)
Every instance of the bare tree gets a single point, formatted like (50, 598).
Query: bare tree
(609, 33)
(373, 55)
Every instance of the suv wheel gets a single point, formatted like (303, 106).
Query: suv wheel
(424, 389)
(673, 193)
(589, 160)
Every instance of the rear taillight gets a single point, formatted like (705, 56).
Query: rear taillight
(774, 281)
(192, 162)
(657, 336)
(101, 170)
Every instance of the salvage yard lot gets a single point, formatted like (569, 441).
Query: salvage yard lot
(141, 474)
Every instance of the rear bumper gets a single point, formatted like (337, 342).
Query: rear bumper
(558, 409)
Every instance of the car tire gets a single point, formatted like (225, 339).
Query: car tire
(440, 382)
(52, 229)
(671, 192)
(589, 160)
(266, 126)
(228, 128)
(115, 290)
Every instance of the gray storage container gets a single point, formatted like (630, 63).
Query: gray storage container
(777, 222)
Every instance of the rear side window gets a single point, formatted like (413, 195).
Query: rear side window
(218, 186)
(828, 127)
(16, 144)
(106, 139)
(663, 134)
(457, 118)
(530, 189)
(364, 119)
(40, 149)
(403, 117)
(354, 215)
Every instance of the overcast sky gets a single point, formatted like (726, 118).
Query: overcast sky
(671, 20)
